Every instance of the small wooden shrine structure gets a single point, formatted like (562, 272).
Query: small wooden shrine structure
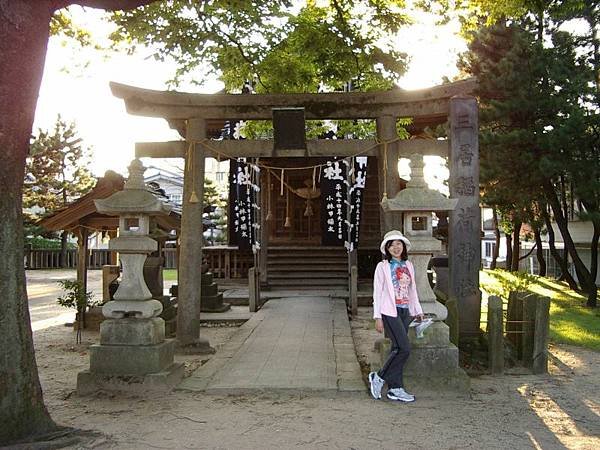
(81, 218)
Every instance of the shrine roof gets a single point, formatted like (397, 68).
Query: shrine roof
(82, 212)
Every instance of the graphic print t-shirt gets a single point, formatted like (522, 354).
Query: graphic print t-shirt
(401, 280)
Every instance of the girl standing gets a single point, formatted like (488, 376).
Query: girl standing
(395, 304)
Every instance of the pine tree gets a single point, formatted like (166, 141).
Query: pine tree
(56, 174)
(538, 143)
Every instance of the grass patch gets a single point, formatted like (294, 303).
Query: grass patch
(571, 322)
(170, 274)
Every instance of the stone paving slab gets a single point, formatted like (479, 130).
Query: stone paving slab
(300, 344)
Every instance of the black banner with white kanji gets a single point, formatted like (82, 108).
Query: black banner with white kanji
(357, 178)
(333, 203)
(243, 184)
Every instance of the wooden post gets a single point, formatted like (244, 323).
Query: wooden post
(190, 259)
(387, 162)
(529, 312)
(264, 228)
(514, 317)
(82, 256)
(252, 300)
(495, 335)
(541, 332)
(354, 291)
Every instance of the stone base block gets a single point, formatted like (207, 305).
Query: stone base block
(437, 335)
(131, 359)
(200, 347)
(213, 304)
(171, 327)
(432, 360)
(209, 290)
(132, 331)
(434, 369)
(89, 382)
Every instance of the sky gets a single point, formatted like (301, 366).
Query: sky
(76, 86)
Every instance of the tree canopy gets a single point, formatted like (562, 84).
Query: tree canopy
(280, 46)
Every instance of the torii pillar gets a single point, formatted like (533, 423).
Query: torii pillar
(190, 254)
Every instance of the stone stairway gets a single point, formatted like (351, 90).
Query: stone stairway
(300, 268)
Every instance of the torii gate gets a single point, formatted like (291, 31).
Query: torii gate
(195, 116)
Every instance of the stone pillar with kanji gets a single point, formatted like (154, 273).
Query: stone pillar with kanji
(464, 228)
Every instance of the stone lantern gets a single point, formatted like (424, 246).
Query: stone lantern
(434, 359)
(417, 203)
(133, 351)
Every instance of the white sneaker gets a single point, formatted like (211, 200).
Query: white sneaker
(400, 395)
(376, 384)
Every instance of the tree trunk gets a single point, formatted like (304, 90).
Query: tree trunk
(539, 251)
(496, 249)
(509, 251)
(24, 29)
(63, 249)
(585, 278)
(562, 262)
(516, 241)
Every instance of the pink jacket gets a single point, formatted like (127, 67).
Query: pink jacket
(384, 301)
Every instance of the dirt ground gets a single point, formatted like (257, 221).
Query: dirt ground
(557, 411)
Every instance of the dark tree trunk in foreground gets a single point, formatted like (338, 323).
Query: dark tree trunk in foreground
(24, 28)
(24, 32)
(539, 251)
(516, 242)
(585, 278)
(496, 249)
(562, 262)
(509, 250)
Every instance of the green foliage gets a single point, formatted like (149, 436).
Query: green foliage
(282, 47)
(56, 171)
(61, 24)
(505, 282)
(76, 296)
(38, 242)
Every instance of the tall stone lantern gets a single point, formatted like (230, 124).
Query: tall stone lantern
(434, 359)
(133, 351)
(417, 203)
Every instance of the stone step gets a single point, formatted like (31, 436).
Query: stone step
(313, 282)
(289, 259)
(309, 267)
(308, 275)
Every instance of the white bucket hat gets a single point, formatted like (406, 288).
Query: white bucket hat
(394, 235)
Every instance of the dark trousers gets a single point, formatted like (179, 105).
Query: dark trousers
(396, 328)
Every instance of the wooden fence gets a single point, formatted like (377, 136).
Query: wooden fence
(224, 262)
(50, 259)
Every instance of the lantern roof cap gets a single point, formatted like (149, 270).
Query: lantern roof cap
(135, 198)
